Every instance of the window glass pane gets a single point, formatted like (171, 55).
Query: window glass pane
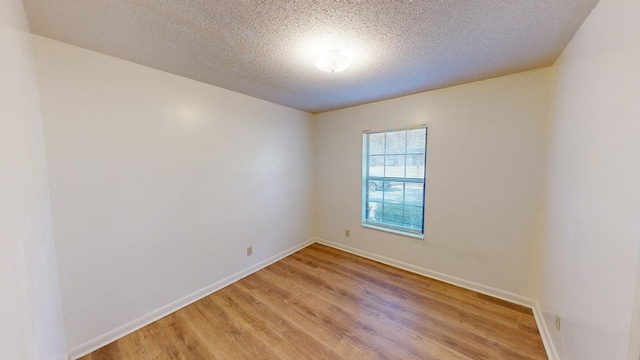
(415, 166)
(413, 217)
(395, 142)
(394, 182)
(394, 166)
(374, 211)
(393, 214)
(376, 166)
(414, 194)
(376, 144)
(374, 188)
(415, 141)
(393, 192)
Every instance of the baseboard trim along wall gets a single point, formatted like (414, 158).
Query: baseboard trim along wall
(126, 329)
(115, 334)
(483, 289)
(549, 347)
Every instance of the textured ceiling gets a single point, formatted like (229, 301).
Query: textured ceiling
(267, 48)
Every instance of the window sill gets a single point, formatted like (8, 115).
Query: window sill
(394, 231)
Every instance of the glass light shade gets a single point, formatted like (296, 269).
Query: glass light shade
(333, 62)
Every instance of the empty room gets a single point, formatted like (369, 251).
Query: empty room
(392, 179)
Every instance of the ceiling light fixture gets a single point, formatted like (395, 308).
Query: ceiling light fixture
(333, 62)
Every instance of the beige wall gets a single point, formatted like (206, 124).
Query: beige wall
(30, 310)
(485, 164)
(589, 257)
(158, 185)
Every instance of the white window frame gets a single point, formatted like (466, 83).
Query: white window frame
(365, 185)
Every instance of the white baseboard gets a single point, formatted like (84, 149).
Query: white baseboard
(115, 334)
(549, 347)
(126, 329)
(483, 289)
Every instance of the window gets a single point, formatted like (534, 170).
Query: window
(393, 180)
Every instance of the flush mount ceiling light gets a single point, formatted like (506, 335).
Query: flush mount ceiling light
(332, 62)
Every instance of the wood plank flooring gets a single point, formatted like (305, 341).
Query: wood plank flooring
(322, 303)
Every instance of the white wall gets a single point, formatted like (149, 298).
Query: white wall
(154, 197)
(159, 183)
(589, 256)
(30, 310)
(485, 162)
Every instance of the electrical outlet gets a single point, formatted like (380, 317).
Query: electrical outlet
(347, 233)
(250, 251)
(558, 319)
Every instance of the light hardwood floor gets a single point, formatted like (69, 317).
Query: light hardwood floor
(322, 303)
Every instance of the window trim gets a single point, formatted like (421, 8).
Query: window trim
(365, 168)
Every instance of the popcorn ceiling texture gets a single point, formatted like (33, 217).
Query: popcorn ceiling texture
(267, 48)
